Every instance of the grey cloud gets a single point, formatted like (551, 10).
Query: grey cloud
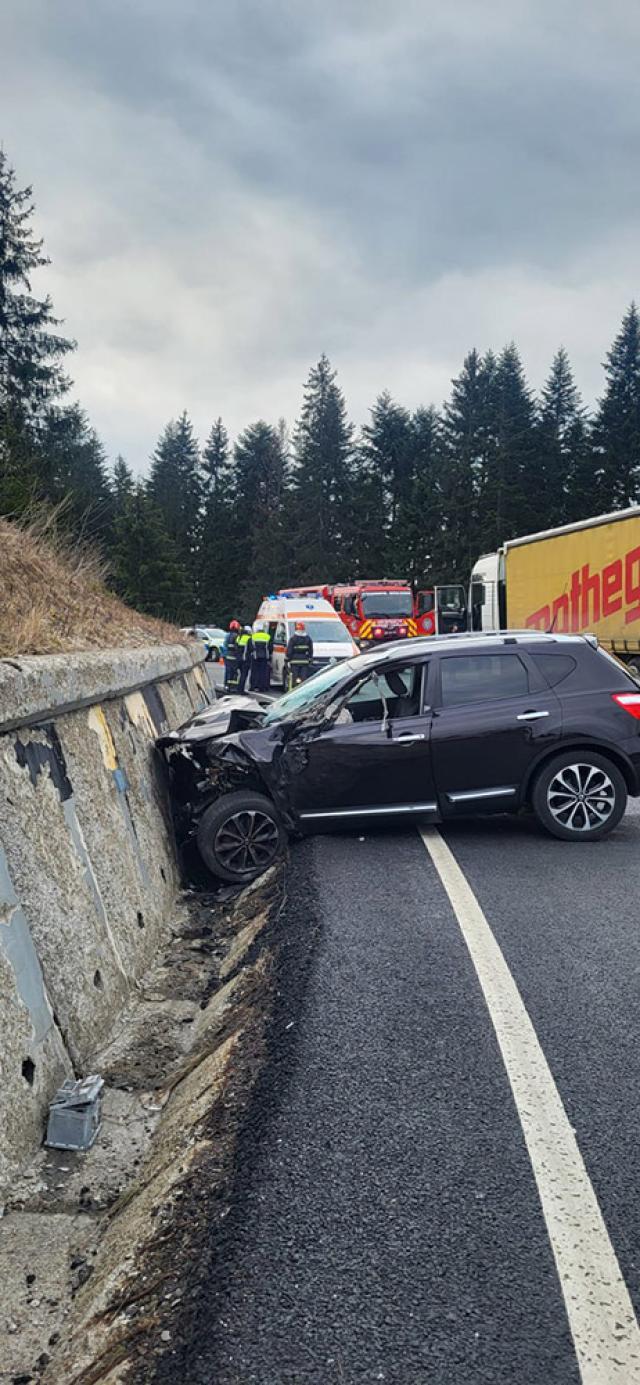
(229, 189)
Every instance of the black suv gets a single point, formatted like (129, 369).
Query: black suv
(429, 729)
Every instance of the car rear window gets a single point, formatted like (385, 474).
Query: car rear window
(482, 677)
(616, 665)
(554, 667)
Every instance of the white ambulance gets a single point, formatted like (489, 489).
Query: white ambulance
(331, 639)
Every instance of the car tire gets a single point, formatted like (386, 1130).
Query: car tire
(579, 796)
(240, 836)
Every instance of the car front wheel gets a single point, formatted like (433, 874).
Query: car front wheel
(579, 796)
(240, 836)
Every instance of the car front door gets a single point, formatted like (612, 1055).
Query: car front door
(493, 715)
(365, 764)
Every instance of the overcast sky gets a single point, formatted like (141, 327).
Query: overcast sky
(227, 188)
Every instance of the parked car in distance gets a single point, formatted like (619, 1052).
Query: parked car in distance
(213, 637)
(428, 730)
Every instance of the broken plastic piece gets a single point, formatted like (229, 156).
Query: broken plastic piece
(75, 1114)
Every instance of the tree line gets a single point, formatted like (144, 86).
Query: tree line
(215, 526)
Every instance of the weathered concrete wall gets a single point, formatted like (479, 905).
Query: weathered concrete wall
(87, 866)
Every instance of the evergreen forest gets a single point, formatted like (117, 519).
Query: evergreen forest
(218, 522)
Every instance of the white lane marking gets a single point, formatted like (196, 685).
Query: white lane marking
(601, 1317)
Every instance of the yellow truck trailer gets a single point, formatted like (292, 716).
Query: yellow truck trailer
(583, 578)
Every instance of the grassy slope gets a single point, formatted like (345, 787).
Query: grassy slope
(53, 599)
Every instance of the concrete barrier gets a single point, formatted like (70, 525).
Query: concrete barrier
(87, 866)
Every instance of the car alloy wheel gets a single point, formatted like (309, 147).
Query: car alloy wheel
(581, 797)
(247, 841)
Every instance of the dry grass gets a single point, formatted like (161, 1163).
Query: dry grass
(53, 597)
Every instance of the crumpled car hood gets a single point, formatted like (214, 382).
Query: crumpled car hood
(229, 714)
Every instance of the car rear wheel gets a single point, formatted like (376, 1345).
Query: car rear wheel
(240, 836)
(579, 796)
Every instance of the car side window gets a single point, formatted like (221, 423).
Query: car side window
(400, 689)
(482, 678)
(555, 667)
(281, 634)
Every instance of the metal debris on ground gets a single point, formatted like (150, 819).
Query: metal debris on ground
(75, 1114)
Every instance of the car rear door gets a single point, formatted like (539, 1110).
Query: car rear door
(358, 767)
(493, 715)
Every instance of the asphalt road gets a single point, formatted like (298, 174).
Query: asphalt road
(388, 1221)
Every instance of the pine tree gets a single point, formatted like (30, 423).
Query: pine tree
(616, 432)
(367, 548)
(221, 525)
(560, 448)
(466, 463)
(385, 450)
(72, 470)
(321, 507)
(260, 476)
(176, 488)
(122, 485)
(215, 460)
(145, 565)
(19, 468)
(421, 514)
(512, 483)
(31, 351)
(581, 489)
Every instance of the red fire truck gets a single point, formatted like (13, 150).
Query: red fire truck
(441, 611)
(376, 610)
(372, 610)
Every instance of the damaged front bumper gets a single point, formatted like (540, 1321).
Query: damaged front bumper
(207, 758)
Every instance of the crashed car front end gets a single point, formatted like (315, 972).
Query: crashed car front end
(223, 749)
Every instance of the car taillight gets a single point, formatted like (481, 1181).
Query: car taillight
(378, 633)
(630, 702)
(403, 629)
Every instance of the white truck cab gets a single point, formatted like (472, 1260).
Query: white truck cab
(486, 593)
(331, 639)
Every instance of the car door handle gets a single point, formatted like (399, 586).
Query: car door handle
(531, 716)
(406, 736)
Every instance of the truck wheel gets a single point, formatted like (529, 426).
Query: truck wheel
(240, 836)
(579, 796)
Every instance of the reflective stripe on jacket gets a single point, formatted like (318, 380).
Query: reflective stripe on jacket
(260, 644)
(300, 649)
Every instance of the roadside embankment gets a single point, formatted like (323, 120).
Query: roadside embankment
(55, 599)
(101, 1254)
(88, 875)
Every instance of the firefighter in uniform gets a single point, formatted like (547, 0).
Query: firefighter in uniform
(244, 655)
(260, 647)
(299, 655)
(230, 654)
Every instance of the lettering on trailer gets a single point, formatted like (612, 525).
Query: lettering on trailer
(590, 597)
